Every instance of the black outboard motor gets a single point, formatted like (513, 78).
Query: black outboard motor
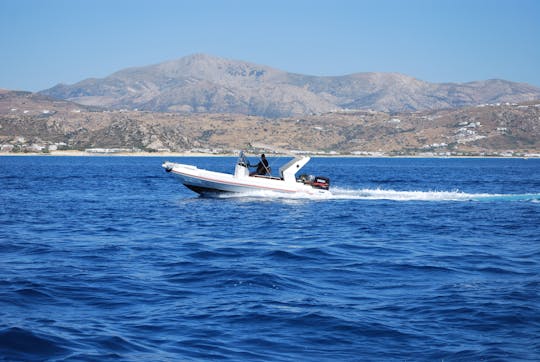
(318, 182)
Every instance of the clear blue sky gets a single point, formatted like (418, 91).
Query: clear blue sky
(45, 42)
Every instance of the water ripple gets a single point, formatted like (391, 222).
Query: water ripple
(409, 260)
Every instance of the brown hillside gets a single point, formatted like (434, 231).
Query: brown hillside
(30, 122)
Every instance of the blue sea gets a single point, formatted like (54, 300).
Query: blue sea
(112, 259)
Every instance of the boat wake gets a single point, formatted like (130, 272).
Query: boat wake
(383, 194)
(392, 195)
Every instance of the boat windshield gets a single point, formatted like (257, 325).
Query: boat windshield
(242, 159)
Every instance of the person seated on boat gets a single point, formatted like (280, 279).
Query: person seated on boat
(262, 167)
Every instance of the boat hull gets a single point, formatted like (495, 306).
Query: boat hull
(206, 182)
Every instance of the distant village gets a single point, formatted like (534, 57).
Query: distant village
(464, 133)
(21, 147)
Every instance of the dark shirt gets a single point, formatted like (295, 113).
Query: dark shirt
(262, 167)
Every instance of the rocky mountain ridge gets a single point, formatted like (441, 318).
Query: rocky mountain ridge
(205, 84)
(32, 122)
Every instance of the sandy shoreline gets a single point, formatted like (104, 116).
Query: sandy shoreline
(113, 154)
(201, 154)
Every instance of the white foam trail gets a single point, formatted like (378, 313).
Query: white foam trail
(382, 194)
(393, 195)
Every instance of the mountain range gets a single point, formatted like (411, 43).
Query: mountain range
(206, 84)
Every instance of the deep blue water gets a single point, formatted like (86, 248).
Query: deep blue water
(110, 258)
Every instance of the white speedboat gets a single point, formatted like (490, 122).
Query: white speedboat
(209, 183)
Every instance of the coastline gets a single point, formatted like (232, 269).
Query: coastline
(114, 154)
(73, 153)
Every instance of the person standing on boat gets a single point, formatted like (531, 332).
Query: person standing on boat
(262, 167)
